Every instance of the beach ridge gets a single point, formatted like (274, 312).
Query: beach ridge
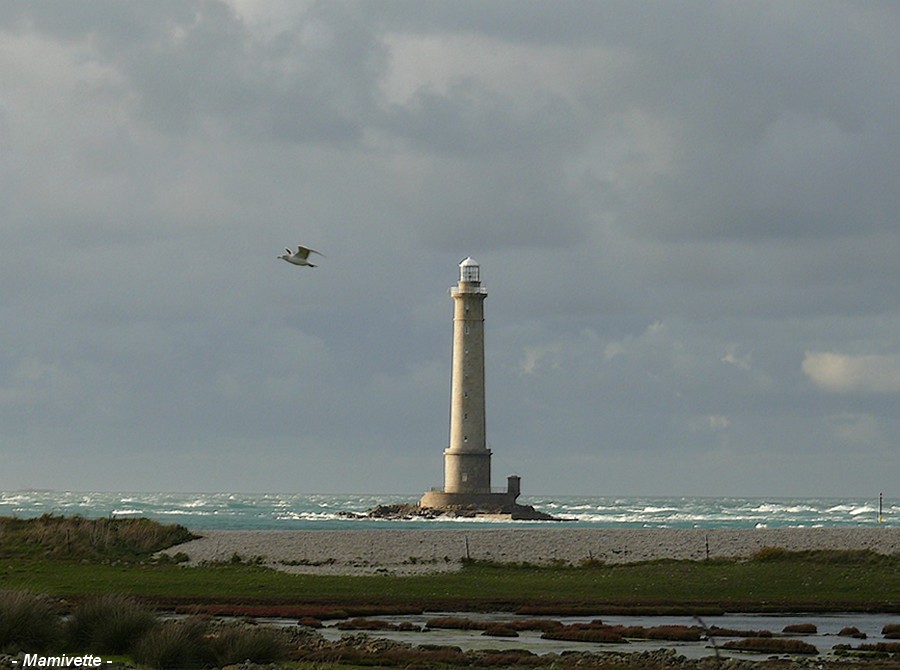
(391, 551)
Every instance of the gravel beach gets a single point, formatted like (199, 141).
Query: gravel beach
(356, 552)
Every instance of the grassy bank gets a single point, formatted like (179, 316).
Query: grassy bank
(78, 539)
(74, 558)
(790, 582)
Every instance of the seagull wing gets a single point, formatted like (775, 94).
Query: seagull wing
(304, 252)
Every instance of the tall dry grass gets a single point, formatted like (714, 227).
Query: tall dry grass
(109, 624)
(28, 622)
(75, 537)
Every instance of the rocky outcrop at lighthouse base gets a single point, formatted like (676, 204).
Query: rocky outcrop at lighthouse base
(408, 511)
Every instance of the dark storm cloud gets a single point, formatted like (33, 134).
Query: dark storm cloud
(686, 216)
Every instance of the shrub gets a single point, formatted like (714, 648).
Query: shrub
(771, 645)
(852, 631)
(109, 624)
(769, 554)
(28, 622)
(891, 631)
(179, 557)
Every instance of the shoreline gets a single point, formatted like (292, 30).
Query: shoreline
(411, 552)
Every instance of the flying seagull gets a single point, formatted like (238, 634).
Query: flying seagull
(300, 256)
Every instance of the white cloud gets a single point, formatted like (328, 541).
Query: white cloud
(840, 373)
(861, 429)
(712, 423)
(733, 358)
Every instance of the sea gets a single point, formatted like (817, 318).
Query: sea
(305, 511)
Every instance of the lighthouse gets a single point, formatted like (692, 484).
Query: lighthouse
(467, 459)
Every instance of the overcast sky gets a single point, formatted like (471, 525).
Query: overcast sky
(687, 216)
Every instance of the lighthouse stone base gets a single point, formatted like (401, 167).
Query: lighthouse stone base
(479, 501)
(497, 503)
(437, 503)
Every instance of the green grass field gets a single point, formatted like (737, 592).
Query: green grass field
(791, 582)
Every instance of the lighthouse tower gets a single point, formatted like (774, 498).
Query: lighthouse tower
(467, 460)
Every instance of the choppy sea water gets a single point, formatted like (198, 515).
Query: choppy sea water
(300, 511)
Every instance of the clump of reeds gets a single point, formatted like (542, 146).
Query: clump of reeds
(109, 624)
(196, 642)
(236, 643)
(28, 622)
(891, 631)
(174, 644)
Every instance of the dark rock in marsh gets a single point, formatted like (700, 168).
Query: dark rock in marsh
(512, 653)
(375, 625)
(852, 631)
(716, 631)
(800, 629)
(771, 645)
(440, 647)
